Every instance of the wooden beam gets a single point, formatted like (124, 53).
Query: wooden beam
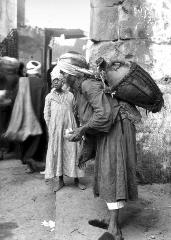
(69, 33)
(20, 13)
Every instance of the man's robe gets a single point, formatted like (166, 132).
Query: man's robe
(115, 160)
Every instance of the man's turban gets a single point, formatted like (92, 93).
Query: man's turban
(72, 63)
(33, 67)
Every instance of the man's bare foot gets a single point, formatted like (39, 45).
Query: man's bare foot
(29, 170)
(58, 185)
(107, 236)
(115, 231)
(49, 181)
(79, 185)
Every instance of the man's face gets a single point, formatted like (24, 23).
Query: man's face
(68, 79)
(57, 83)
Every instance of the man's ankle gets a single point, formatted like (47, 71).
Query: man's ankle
(76, 180)
(61, 178)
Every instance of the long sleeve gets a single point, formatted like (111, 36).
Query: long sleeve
(47, 109)
(75, 111)
(101, 118)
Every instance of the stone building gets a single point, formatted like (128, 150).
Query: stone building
(140, 31)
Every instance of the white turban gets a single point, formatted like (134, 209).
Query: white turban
(33, 67)
(71, 63)
(55, 73)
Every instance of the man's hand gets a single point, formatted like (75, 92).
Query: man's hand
(76, 135)
(81, 163)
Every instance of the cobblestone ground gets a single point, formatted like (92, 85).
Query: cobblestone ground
(26, 201)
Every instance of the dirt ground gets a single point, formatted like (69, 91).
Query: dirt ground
(26, 201)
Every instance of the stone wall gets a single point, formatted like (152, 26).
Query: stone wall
(8, 17)
(31, 44)
(140, 31)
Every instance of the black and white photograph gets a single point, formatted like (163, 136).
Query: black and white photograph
(85, 120)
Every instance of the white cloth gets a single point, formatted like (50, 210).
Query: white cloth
(2, 94)
(33, 67)
(68, 63)
(62, 155)
(115, 205)
(68, 68)
(23, 122)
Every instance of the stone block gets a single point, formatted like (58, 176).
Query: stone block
(138, 51)
(134, 21)
(134, 29)
(145, 20)
(104, 24)
(107, 50)
(105, 3)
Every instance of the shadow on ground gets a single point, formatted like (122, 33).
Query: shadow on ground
(6, 229)
(140, 214)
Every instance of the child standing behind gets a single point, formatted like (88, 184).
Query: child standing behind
(61, 158)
